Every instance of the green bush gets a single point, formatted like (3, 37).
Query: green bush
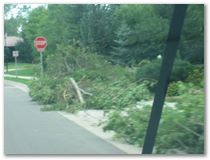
(151, 71)
(148, 70)
(181, 70)
(172, 89)
(196, 76)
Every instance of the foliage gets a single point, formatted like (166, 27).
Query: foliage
(196, 76)
(71, 59)
(43, 90)
(7, 54)
(11, 27)
(101, 46)
(181, 128)
(62, 24)
(107, 83)
(58, 93)
(192, 42)
(33, 27)
(151, 70)
(25, 51)
(126, 34)
(129, 124)
(8, 7)
(117, 95)
(138, 36)
(181, 70)
(173, 89)
(13, 22)
(97, 28)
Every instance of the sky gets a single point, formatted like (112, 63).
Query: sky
(14, 11)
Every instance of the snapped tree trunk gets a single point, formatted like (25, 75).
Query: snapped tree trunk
(81, 99)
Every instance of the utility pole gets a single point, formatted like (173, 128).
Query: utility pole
(5, 45)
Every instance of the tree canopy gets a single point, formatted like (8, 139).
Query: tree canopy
(124, 34)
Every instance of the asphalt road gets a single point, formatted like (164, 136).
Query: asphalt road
(27, 130)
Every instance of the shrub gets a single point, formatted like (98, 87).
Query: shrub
(181, 70)
(173, 89)
(196, 76)
(149, 71)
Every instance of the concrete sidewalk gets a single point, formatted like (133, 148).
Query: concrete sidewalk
(23, 77)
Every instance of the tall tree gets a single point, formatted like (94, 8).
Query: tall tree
(98, 27)
(192, 44)
(145, 37)
(35, 25)
(63, 24)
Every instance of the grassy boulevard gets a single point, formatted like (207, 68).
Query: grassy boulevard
(23, 69)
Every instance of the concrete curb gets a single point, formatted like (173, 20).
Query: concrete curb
(21, 86)
(98, 131)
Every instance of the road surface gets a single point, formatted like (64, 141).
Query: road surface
(27, 130)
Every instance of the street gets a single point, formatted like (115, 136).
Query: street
(27, 130)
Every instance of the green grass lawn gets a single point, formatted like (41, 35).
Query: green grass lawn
(21, 65)
(24, 72)
(24, 69)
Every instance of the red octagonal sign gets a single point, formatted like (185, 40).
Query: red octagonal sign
(40, 43)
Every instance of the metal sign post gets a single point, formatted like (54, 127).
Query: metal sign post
(16, 66)
(165, 72)
(40, 43)
(41, 63)
(15, 54)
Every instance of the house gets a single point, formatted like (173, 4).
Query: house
(12, 41)
(9, 45)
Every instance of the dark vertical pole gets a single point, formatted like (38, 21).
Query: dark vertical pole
(6, 57)
(165, 72)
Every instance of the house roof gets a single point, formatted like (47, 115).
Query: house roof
(12, 41)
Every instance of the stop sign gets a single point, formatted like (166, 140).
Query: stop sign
(40, 43)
